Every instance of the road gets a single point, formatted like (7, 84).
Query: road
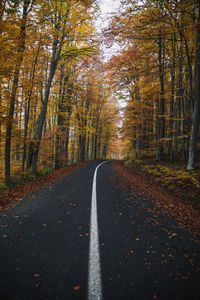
(51, 247)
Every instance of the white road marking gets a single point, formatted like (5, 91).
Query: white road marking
(94, 276)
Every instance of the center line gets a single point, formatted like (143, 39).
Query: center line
(94, 276)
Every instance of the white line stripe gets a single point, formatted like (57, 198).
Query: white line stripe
(94, 276)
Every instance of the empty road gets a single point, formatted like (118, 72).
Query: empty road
(85, 238)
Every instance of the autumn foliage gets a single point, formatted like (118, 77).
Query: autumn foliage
(156, 73)
(54, 106)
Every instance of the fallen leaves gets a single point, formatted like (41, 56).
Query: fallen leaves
(72, 204)
(185, 276)
(173, 235)
(184, 212)
(4, 225)
(10, 197)
(37, 285)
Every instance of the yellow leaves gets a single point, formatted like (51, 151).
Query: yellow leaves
(87, 3)
(74, 52)
(173, 235)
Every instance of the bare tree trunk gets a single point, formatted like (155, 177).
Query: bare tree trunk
(27, 109)
(172, 100)
(183, 140)
(162, 99)
(157, 130)
(196, 114)
(179, 97)
(58, 162)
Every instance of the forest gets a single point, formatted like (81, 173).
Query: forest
(62, 103)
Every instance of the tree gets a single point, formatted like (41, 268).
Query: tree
(27, 7)
(196, 114)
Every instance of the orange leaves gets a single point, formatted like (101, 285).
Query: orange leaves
(173, 235)
(186, 214)
(37, 276)
(87, 3)
(10, 197)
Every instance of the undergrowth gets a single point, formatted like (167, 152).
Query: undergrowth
(172, 176)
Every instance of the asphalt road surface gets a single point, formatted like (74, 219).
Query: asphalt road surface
(84, 238)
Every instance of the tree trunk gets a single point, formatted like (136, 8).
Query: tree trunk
(162, 99)
(27, 109)
(179, 97)
(35, 147)
(20, 53)
(196, 114)
(170, 135)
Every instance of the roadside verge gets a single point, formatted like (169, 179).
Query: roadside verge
(11, 197)
(186, 214)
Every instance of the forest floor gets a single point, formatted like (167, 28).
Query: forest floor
(10, 197)
(173, 189)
